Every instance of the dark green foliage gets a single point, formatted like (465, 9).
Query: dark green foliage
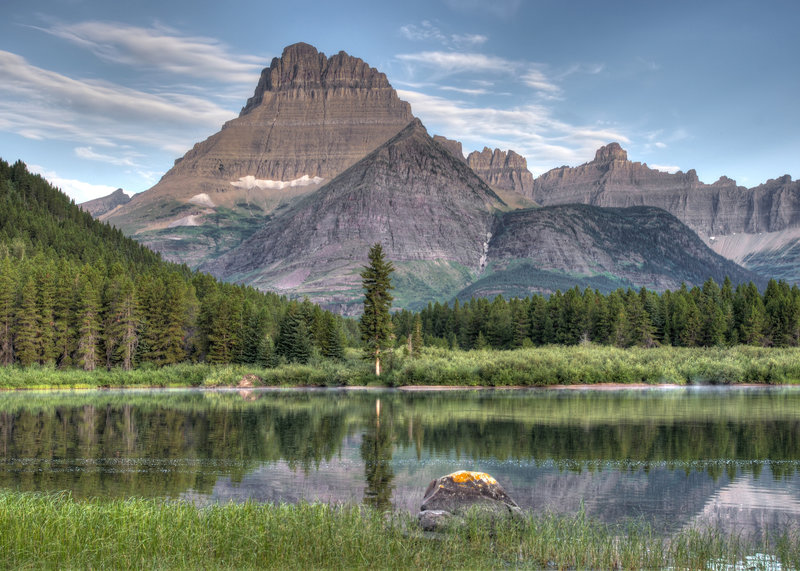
(76, 292)
(698, 317)
(294, 338)
(376, 322)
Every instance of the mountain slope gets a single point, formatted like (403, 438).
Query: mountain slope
(558, 247)
(309, 119)
(432, 214)
(724, 215)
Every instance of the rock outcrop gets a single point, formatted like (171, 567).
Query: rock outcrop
(714, 211)
(104, 204)
(557, 247)
(455, 495)
(431, 213)
(502, 170)
(451, 145)
(310, 118)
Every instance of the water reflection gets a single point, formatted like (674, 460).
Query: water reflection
(676, 458)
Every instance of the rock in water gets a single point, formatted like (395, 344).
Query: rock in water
(458, 493)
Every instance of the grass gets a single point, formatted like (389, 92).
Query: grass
(56, 531)
(533, 367)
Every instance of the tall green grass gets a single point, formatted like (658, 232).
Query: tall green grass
(55, 531)
(542, 366)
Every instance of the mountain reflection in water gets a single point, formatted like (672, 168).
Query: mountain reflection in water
(727, 457)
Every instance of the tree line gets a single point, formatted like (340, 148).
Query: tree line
(711, 315)
(76, 292)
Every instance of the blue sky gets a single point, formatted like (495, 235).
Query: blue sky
(97, 95)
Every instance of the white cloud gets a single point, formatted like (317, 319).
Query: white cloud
(665, 168)
(456, 62)
(442, 64)
(161, 48)
(531, 130)
(427, 31)
(536, 79)
(78, 190)
(89, 154)
(466, 91)
(42, 104)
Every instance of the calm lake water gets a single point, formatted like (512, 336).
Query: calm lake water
(674, 457)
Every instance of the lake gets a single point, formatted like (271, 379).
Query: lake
(673, 457)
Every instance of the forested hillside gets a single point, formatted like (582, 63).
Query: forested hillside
(707, 316)
(76, 292)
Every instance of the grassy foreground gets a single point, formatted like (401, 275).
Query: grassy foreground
(55, 531)
(544, 366)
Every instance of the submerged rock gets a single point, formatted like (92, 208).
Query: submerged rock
(449, 498)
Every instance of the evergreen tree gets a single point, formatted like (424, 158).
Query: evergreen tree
(27, 324)
(376, 322)
(415, 337)
(87, 312)
(332, 345)
(294, 338)
(8, 291)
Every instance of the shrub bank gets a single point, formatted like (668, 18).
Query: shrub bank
(544, 366)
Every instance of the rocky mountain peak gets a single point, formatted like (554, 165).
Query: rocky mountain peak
(451, 145)
(611, 152)
(502, 170)
(302, 67)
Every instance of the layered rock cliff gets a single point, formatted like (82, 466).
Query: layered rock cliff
(757, 227)
(309, 119)
(432, 214)
(715, 209)
(502, 170)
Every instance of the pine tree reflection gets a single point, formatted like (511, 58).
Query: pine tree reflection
(376, 451)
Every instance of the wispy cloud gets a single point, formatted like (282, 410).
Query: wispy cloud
(530, 130)
(42, 104)
(427, 31)
(465, 90)
(665, 168)
(89, 154)
(456, 62)
(443, 64)
(78, 190)
(161, 48)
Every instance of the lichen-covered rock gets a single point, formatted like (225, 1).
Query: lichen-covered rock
(461, 492)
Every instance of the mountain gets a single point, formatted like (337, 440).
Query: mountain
(309, 119)
(557, 247)
(432, 214)
(759, 227)
(325, 160)
(446, 233)
(105, 204)
(506, 173)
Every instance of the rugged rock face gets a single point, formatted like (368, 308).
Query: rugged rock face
(501, 170)
(558, 247)
(432, 214)
(451, 145)
(100, 206)
(310, 118)
(717, 210)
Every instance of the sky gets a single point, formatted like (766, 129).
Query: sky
(97, 95)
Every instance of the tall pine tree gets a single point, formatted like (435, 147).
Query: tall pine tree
(376, 322)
